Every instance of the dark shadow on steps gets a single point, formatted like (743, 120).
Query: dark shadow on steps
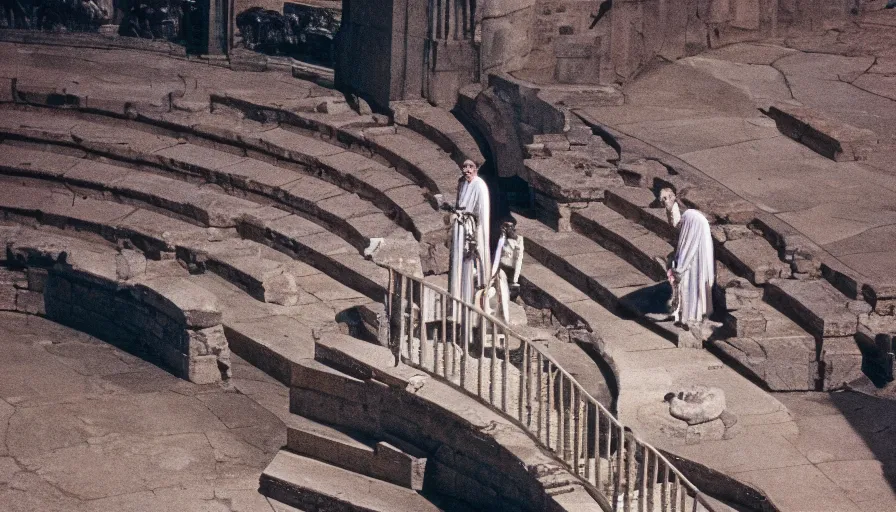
(649, 301)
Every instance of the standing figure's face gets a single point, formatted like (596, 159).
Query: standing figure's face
(667, 198)
(469, 170)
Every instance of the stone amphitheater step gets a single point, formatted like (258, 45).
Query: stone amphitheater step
(397, 195)
(635, 243)
(393, 461)
(410, 153)
(747, 254)
(602, 275)
(288, 233)
(267, 274)
(440, 126)
(307, 483)
(356, 219)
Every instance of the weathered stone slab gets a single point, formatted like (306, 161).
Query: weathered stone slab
(752, 257)
(624, 237)
(815, 305)
(180, 298)
(746, 322)
(842, 362)
(835, 140)
(570, 179)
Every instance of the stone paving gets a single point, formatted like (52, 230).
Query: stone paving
(86, 427)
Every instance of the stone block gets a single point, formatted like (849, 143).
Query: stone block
(179, 298)
(7, 297)
(753, 258)
(129, 264)
(281, 289)
(790, 363)
(209, 341)
(577, 71)
(311, 374)
(203, 370)
(30, 302)
(579, 135)
(745, 322)
(842, 362)
(576, 48)
(815, 305)
(394, 465)
(835, 140)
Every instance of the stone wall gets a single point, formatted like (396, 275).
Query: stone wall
(164, 319)
(567, 45)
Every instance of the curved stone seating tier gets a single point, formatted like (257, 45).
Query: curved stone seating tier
(475, 453)
(440, 126)
(411, 154)
(454, 433)
(397, 195)
(347, 214)
(116, 296)
(253, 264)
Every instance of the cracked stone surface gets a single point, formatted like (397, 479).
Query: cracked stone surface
(86, 427)
(704, 110)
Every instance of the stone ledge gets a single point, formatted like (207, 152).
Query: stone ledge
(405, 156)
(76, 283)
(815, 305)
(833, 139)
(354, 218)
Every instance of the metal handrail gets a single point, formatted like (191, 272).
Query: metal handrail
(437, 333)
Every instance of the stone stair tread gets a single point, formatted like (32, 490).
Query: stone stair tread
(601, 273)
(323, 432)
(634, 242)
(336, 487)
(443, 128)
(634, 203)
(753, 258)
(815, 305)
(305, 145)
(303, 192)
(185, 199)
(199, 156)
(300, 190)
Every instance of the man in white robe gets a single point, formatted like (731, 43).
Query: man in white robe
(470, 235)
(693, 265)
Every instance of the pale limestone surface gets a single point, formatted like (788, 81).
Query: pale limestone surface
(87, 427)
(705, 110)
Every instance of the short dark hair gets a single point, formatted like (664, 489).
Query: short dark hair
(508, 219)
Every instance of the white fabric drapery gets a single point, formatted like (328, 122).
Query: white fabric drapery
(466, 273)
(695, 265)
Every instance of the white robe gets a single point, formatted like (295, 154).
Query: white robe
(465, 274)
(695, 264)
